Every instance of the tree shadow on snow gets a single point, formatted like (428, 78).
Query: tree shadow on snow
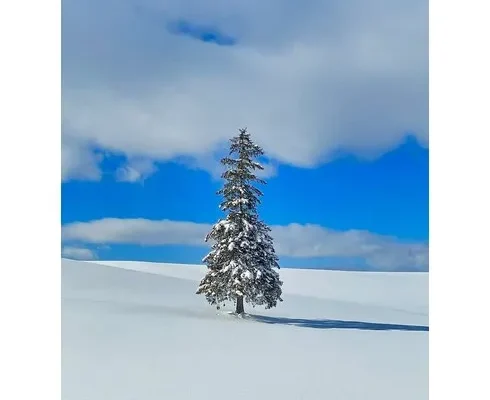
(338, 324)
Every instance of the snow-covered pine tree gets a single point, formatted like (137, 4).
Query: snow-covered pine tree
(242, 258)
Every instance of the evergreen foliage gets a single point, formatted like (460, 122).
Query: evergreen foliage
(242, 261)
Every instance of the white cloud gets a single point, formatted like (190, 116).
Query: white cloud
(136, 170)
(78, 161)
(135, 231)
(293, 240)
(306, 78)
(269, 171)
(383, 252)
(78, 253)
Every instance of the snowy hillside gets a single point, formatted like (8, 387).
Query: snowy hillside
(137, 331)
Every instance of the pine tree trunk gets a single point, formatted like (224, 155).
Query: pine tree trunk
(239, 306)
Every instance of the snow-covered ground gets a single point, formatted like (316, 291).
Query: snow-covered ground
(137, 331)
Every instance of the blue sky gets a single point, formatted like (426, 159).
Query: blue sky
(152, 91)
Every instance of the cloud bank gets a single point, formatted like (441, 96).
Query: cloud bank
(136, 170)
(293, 240)
(78, 253)
(307, 78)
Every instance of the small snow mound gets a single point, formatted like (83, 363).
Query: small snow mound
(238, 316)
